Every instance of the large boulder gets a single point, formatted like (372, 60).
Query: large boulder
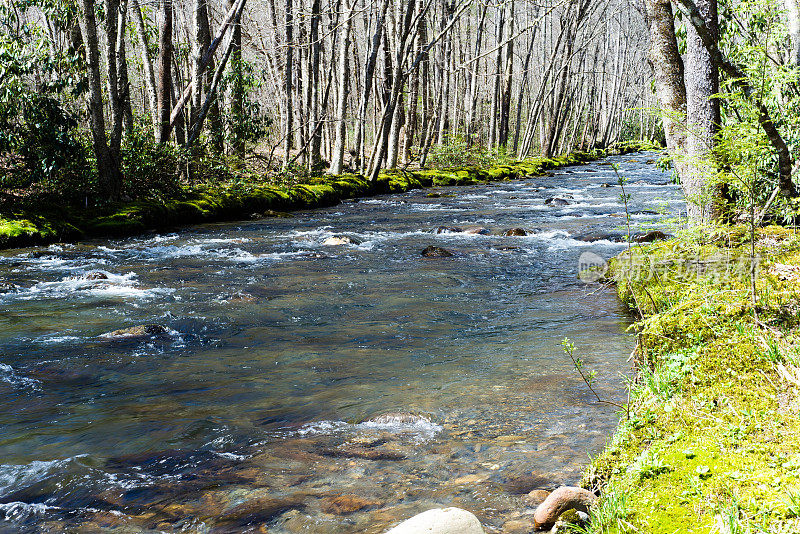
(563, 499)
(440, 521)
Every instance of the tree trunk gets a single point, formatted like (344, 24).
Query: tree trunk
(164, 91)
(337, 159)
(314, 132)
(369, 73)
(149, 74)
(703, 120)
(237, 87)
(107, 167)
(668, 69)
(505, 100)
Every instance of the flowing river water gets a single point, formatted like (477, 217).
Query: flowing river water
(308, 387)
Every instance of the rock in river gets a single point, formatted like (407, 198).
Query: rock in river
(440, 521)
(449, 230)
(436, 252)
(556, 201)
(515, 232)
(337, 240)
(563, 499)
(141, 331)
(97, 275)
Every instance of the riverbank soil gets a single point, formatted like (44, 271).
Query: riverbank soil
(711, 443)
(47, 223)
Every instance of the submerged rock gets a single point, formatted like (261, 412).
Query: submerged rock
(449, 230)
(141, 331)
(536, 497)
(519, 525)
(515, 232)
(435, 252)
(257, 511)
(346, 504)
(563, 499)
(527, 483)
(440, 521)
(649, 237)
(364, 453)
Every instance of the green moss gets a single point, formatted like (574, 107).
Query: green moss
(709, 419)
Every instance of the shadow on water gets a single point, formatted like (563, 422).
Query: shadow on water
(303, 386)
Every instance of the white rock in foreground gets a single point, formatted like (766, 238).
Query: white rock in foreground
(440, 521)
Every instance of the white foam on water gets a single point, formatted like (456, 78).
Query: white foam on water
(323, 427)
(55, 339)
(561, 240)
(232, 456)
(9, 376)
(419, 428)
(20, 511)
(433, 207)
(113, 286)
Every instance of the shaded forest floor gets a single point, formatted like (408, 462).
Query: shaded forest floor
(34, 222)
(712, 440)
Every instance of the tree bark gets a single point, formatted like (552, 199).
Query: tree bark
(337, 159)
(107, 167)
(164, 87)
(149, 73)
(703, 120)
(288, 72)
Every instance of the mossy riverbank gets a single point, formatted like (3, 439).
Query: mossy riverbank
(51, 223)
(712, 439)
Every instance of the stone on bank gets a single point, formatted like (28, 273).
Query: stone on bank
(440, 521)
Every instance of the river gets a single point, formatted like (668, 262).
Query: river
(266, 397)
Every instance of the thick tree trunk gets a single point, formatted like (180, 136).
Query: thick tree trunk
(668, 69)
(703, 121)
(793, 13)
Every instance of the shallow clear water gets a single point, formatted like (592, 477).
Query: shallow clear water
(281, 352)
